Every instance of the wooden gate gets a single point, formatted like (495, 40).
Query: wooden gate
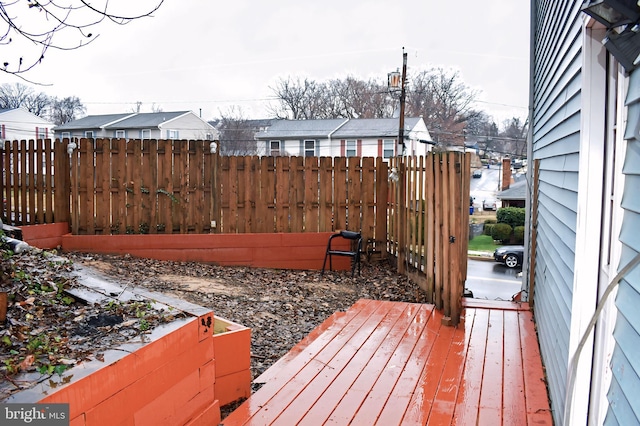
(429, 225)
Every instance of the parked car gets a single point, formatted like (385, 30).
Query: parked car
(477, 174)
(510, 256)
(489, 204)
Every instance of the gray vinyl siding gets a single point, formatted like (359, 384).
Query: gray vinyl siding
(556, 142)
(624, 403)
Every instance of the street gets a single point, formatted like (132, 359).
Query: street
(491, 280)
(485, 187)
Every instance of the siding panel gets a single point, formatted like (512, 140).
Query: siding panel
(624, 403)
(556, 142)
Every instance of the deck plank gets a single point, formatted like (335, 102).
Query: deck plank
(342, 370)
(490, 409)
(330, 343)
(393, 363)
(362, 370)
(364, 403)
(513, 386)
(466, 409)
(342, 347)
(444, 363)
(536, 396)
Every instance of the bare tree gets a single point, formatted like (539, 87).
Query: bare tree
(444, 102)
(514, 135)
(236, 134)
(37, 26)
(353, 98)
(20, 96)
(339, 98)
(298, 99)
(66, 109)
(59, 111)
(14, 95)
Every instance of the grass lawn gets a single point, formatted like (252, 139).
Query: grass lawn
(482, 243)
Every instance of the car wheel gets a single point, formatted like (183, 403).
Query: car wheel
(511, 260)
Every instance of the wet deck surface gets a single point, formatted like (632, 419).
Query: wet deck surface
(391, 363)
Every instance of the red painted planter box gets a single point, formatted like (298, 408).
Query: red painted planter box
(170, 378)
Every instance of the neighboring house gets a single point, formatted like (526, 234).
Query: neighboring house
(20, 124)
(153, 125)
(343, 137)
(515, 195)
(585, 131)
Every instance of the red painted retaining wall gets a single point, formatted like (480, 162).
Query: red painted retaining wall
(276, 251)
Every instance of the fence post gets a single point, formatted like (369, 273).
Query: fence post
(402, 216)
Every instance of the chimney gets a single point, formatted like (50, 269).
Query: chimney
(506, 173)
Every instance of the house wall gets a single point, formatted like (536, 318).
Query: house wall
(588, 217)
(189, 126)
(556, 141)
(367, 147)
(624, 403)
(20, 124)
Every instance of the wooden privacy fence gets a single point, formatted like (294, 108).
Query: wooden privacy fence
(35, 182)
(304, 194)
(429, 225)
(141, 187)
(114, 186)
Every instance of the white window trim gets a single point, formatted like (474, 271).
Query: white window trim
(142, 134)
(271, 150)
(118, 132)
(313, 149)
(347, 148)
(89, 134)
(392, 144)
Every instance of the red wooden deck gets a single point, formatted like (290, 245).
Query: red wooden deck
(392, 363)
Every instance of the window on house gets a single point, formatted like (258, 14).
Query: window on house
(172, 134)
(274, 147)
(145, 134)
(388, 146)
(351, 148)
(89, 134)
(66, 135)
(120, 134)
(309, 148)
(208, 136)
(41, 133)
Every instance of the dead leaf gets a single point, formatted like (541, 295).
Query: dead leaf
(27, 362)
(28, 301)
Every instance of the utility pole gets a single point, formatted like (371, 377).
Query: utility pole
(402, 193)
(402, 99)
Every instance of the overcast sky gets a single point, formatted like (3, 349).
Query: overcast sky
(206, 56)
